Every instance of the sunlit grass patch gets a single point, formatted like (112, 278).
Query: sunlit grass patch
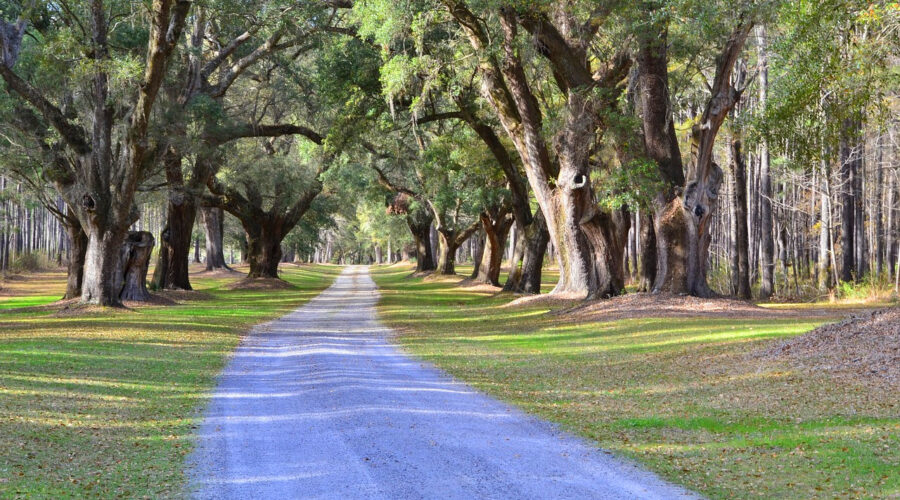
(682, 395)
(104, 403)
(27, 301)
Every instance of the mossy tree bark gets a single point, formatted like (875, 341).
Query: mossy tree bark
(496, 224)
(682, 209)
(134, 263)
(450, 237)
(110, 159)
(214, 227)
(78, 241)
(419, 223)
(563, 189)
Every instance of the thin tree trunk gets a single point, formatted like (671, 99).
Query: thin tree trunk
(767, 255)
(848, 209)
(824, 231)
(879, 205)
(741, 239)
(889, 234)
(861, 264)
(479, 242)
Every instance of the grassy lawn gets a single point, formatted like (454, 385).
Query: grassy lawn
(680, 395)
(103, 404)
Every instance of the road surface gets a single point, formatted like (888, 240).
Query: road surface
(320, 404)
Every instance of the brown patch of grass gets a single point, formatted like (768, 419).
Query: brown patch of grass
(38, 283)
(183, 295)
(260, 284)
(865, 347)
(219, 273)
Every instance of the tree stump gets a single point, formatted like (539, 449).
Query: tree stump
(133, 264)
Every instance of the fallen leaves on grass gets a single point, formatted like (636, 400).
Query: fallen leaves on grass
(260, 284)
(865, 346)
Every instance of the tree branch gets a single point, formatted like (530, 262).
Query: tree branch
(573, 70)
(10, 42)
(253, 130)
(235, 70)
(226, 51)
(384, 181)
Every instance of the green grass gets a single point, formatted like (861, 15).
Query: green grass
(680, 395)
(104, 403)
(29, 301)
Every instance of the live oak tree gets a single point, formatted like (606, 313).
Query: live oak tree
(588, 239)
(682, 209)
(227, 44)
(275, 173)
(269, 189)
(102, 116)
(422, 90)
(24, 158)
(452, 181)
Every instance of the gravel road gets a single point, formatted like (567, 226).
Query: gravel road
(319, 404)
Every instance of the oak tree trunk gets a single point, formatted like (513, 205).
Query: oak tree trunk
(176, 245)
(536, 239)
(531, 246)
(78, 242)
(264, 250)
(214, 227)
(683, 237)
(446, 252)
(607, 234)
(517, 256)
(420, 227)
(589, 265)
(648, 254)
(134, 262)
(496, 231)
(102, 283)
(682, 209)
(478, 254)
